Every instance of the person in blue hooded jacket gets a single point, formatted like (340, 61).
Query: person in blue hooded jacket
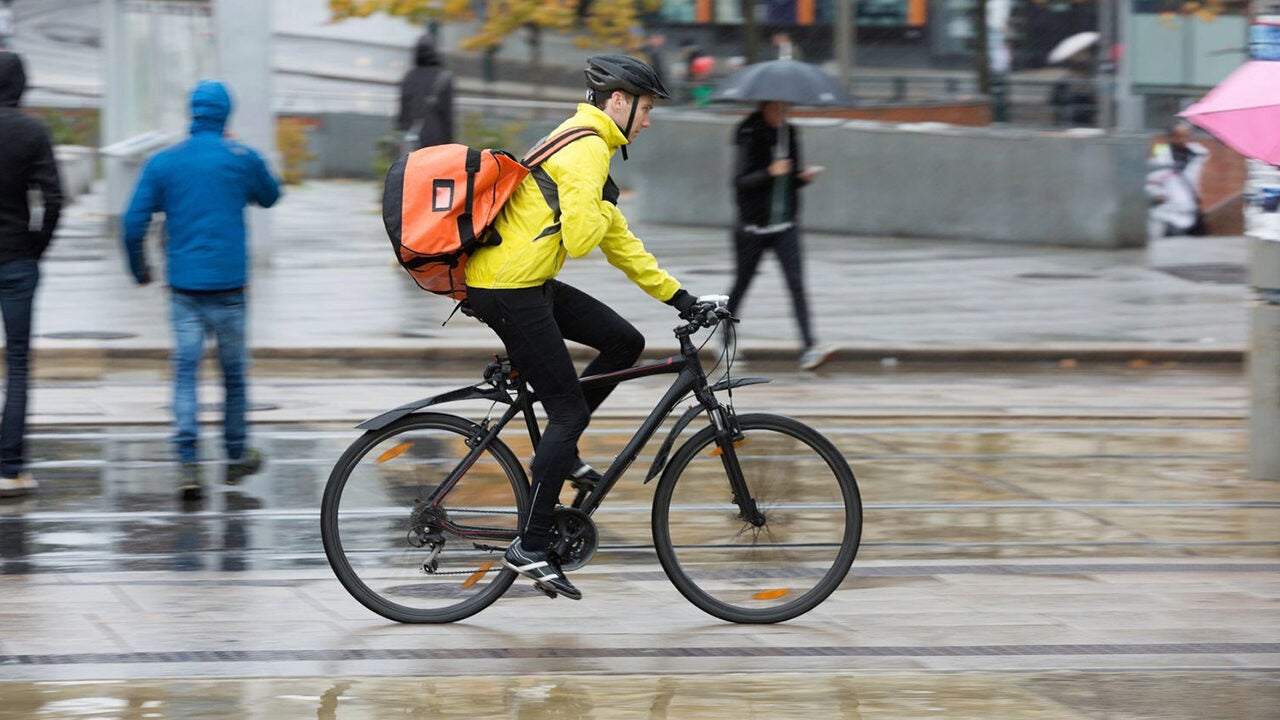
(202, 185)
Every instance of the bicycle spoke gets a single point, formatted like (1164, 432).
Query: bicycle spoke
(809, 522)
(410, 548)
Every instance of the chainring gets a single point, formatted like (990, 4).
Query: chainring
(575, 539)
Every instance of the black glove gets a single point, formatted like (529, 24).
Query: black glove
(611, 191)
(682, 301)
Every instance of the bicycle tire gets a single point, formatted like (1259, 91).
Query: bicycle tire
(373, 519)
(792, 562)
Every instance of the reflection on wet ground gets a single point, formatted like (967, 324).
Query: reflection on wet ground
(1172, 695)
(1011, 568)
(932, 489)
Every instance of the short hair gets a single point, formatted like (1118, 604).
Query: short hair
(601, 98)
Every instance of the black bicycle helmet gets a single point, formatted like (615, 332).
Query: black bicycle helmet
(606, 73)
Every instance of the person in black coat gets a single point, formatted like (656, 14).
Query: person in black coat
(767, 179)
(426, 99)
(26, 161)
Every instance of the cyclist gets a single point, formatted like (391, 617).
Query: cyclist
(512, 287)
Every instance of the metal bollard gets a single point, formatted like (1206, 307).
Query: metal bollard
(1262, 223)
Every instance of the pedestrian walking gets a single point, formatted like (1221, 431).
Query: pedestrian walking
(1173, 185)
(767, 179)
(426, 99)
(202, 185)
(1074, 97)
(26, 162)
(566, 209)
(654, 51)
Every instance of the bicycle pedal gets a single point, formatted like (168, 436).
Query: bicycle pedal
(546, 590)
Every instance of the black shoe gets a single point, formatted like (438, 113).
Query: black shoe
(543, 568)
(584, 480)
(246, 465)
(585, 477)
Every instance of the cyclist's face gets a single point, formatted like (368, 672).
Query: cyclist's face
(619, 108)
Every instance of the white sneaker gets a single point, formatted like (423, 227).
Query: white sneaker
(816, 356)
(24, 484)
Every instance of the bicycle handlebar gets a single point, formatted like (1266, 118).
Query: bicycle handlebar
(708, 311)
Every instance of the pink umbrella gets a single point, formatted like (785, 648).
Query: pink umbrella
(1243, 111)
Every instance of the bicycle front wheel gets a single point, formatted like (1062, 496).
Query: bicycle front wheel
(778, 562)
(407, 551)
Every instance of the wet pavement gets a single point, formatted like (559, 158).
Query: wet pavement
(1039, 542)
(1066, 531)
(1180, 695)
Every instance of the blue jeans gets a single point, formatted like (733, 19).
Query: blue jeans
(194, 315)
(18, 280)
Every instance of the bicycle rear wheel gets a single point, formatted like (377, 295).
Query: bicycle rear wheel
(810, 521)
(409, 559)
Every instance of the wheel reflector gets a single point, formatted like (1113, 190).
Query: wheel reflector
(394, 452)
(770, 594)
(717, 451)
(475, 576)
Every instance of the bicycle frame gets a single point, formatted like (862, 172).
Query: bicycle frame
(690, 377)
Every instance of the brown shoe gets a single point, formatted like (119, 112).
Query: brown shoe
(246, 465)
(18, 486)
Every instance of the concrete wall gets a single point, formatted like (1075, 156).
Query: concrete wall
(345, 145)
(916, 180)
(921, 180)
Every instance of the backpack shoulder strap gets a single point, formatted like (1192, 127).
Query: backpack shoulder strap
(539, 155)
(554, 144)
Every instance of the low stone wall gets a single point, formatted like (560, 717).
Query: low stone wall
(973, 113)
(921, 180)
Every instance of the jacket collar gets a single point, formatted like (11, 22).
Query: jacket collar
(593, 117)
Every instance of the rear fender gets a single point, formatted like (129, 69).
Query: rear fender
(463, 393)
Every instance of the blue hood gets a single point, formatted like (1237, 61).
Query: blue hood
(210, 107)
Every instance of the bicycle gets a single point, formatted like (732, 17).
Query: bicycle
(756, 517)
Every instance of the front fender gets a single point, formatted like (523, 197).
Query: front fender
(464, 393)
(660, 459)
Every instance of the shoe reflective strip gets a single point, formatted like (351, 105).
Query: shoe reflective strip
(532, 566)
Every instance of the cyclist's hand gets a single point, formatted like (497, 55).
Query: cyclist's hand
(683, 301)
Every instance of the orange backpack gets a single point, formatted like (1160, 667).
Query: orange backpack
(439, 202)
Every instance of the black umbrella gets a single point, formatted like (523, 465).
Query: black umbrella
(782, 80)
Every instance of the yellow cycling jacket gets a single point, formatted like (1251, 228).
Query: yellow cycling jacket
(534, 246)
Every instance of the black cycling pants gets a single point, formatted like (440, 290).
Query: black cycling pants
(533, 324)
(749, 248)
